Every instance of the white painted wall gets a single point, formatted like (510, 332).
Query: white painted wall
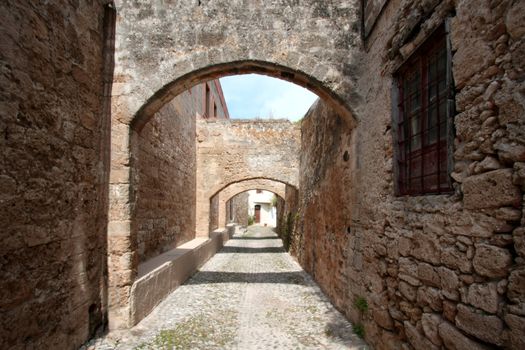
(264, 199)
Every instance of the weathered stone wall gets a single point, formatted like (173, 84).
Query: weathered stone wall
(232, 151)
(325, 211)
(436, 270)
(53, 173)
(164, 177)
(239, 212)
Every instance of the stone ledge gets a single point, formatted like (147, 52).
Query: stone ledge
(162, 274)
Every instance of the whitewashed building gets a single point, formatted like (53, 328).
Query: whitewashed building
(260, 206)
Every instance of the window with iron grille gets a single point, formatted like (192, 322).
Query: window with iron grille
(424, 119)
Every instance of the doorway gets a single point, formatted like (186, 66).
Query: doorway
(257, 214)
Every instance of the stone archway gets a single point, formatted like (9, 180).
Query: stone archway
(311, 43)
(301, 43)
(224, 195)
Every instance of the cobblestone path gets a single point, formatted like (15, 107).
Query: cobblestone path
(250, 295)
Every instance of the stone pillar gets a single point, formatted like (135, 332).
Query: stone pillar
(203, 212)
(222, 209)
(122, 263)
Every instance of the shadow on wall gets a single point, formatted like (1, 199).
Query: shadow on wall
(251, 250)
(254, 238)
(205, 277)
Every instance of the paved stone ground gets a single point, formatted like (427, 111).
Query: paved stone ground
(250, 295)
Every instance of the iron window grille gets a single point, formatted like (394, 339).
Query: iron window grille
(424, 124)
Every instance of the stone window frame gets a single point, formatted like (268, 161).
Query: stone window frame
(443, 148)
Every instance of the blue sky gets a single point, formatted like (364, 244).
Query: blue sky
(252, 95)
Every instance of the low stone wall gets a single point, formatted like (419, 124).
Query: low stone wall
(161, 275)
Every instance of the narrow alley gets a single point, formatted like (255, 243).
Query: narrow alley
(250, 295)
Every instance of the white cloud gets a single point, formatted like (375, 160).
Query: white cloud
(253, 95)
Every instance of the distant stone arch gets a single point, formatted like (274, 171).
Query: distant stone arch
(222, 196)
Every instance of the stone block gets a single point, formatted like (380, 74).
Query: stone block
(449, 283)
(412, 312)
(510, 152)
(389, 340)
(454, 339)
(118, 245)
(484, 296)
(430, 297)
(405, 245)
(491, 189)
(488, 328)
(454, 258)
(449, 310)
(509, 214)
(407, 291)
(428, 275)
(487, 164)
(519, 241)
(518, 177)
(430, 324)
(408, 271)
(425, 247)
(119, 228)
(492, 261)
(383, 318)
(418, 340)
(515, 20)
(517, 331)
(472, 56)
(516, 286)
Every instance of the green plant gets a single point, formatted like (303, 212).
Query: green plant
(251, 220)
(274, 201)
(361, 304)
(359, 330)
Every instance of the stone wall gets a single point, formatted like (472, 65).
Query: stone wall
(164, 177)
(288, 218)
(53, 173)
(232, 151)
(239, 212)
(324, 219)
(435, 270)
